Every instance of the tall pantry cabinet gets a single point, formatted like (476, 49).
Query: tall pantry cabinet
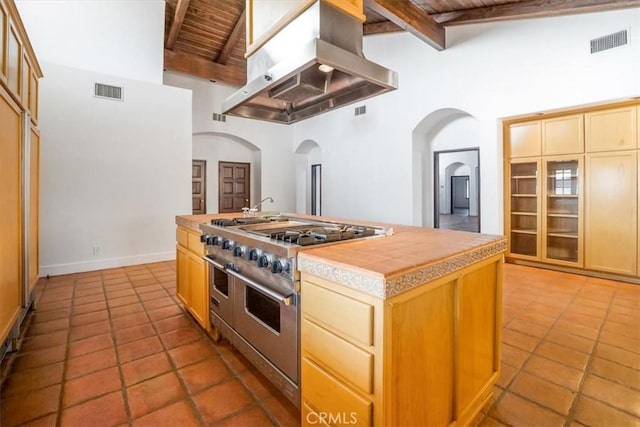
(19, 173)
(571, 188)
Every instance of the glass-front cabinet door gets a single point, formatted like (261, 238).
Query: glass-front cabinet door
(524, 212)
(562, 208)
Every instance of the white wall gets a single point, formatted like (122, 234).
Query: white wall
(272, 164)
(490, 71)
(113, 174)
(121, 38)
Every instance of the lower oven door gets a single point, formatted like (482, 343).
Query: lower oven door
(220, 291)
(269, 322)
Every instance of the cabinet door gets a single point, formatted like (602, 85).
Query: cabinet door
(609, 130)
(182, 263)
(10, 215)
(563, 135)
(562, 211)
(14, 62)
(523, 219)
(525, 139)
(4, 21)
(34, 192)
(611, 212)
(199, 304)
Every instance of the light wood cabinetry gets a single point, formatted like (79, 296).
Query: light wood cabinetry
(524, 208)
(612, 129)
(19, 174)
(428, 356)
(611, 212)
(192, 276)
(563, 135)
(567, 210)
(10, 215)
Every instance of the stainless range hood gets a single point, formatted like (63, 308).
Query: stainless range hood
(313, 65)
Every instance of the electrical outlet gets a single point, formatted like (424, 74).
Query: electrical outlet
(96, 250)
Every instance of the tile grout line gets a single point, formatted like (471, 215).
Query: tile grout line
(507, 387)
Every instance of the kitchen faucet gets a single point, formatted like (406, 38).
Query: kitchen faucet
(255, 207)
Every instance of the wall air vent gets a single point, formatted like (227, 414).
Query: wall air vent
(361, 110)
(108, 92)
(609, 41)
(217, 117)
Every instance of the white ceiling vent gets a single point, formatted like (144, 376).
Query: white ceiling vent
(108, 92)
(609, 41)
(361, 110)
(217, 117)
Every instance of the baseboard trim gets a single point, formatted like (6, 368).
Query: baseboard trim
(590, 273)
(80, 267)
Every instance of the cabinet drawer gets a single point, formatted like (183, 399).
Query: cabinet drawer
(182, 237)
(326, 395)
(195, 245)
(342, 357)
(342, 313)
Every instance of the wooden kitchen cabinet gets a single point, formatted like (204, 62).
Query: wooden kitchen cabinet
(563, 135)
(19, 164)
(192, 275)
(11, 261)
(525, 139)
(612, 129)
(523, 209)
(428, 356)
(588, 196)
(611, 212)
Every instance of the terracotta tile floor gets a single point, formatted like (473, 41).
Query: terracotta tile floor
(114, 347)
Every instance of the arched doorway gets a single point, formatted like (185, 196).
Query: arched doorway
(308, 159)
(444, 130)
(215, 147)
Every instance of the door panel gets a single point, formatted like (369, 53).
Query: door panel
(199, 186)
(234, 186)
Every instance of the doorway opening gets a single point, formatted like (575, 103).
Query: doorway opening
(199, 187)
(316, 189)
(233, 186)
(457, 189)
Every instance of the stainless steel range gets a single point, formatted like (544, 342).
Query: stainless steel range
(254, 286)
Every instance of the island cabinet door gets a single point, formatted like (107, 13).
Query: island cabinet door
(441, 347)
(183, 290)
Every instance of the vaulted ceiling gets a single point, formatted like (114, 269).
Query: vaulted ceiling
(206, 38)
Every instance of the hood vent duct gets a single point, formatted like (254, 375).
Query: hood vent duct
(312, 65)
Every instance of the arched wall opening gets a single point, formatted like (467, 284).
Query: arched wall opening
(308, 153)
(215, 147)
(442, 130)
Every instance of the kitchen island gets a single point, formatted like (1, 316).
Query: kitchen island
(396, 330)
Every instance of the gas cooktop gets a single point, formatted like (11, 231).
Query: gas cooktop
(299, 231)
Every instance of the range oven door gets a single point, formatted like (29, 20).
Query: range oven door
(221, 291)
(269, 322)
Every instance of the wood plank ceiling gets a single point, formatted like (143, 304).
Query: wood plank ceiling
(206, 38)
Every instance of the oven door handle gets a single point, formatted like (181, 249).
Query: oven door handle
(286, 300)
(214, 263)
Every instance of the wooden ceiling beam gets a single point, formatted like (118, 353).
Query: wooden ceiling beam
(176, 25)
(199, 67)
(530, 9)
(411, 18)
(380, 28)
(233, 39)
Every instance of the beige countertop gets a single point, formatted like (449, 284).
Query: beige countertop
(389, 265)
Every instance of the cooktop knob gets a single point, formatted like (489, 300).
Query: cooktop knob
(216, 240)
(204, 238)
(279, 265)
(254, 254)
(265, 260)
(228, 244)
(239, 251)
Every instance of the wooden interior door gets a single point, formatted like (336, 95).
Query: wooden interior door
(199, 186)
(234, 185)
